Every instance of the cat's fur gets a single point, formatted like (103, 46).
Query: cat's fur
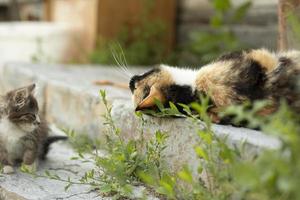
(231, 79)
(23, 131)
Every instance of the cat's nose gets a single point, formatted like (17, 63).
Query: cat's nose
(37, 119)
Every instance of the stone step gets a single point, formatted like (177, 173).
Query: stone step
(23, 186)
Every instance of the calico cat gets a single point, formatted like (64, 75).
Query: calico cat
(23, 131)
(231, 79)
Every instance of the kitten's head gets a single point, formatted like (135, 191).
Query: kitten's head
(23, 108)
(160, 83)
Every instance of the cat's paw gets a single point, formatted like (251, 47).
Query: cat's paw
(7, 169)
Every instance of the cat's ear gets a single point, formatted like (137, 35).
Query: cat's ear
(30, 88)
(20, 95)
(149, 101)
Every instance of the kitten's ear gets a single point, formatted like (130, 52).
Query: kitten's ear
(20, 95)
(149, 101)
(30, 88)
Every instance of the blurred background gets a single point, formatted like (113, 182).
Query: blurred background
(144, 32)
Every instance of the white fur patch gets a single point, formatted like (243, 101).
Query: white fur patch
(7, 169)
(10, 135)
(182, 76)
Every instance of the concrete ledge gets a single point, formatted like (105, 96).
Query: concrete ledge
(183, 135)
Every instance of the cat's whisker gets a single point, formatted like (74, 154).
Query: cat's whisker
(123, 55)
(126, 71)
(119, 71)
(129, 72)
(121, 60)
(123, 68)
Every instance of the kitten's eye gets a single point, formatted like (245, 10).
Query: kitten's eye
(30, 116)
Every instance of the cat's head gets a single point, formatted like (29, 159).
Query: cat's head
(22, 108)
(162, 83)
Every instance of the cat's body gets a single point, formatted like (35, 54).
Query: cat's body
(232, 79)
(23, 131)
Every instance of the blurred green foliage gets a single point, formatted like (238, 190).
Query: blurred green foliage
(206, 45)
(147, 47)
(294, 23)
(143, 45)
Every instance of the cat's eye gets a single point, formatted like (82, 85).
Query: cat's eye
(31, 116)
(146, 91)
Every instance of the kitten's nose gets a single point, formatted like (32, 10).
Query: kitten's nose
(37, 119)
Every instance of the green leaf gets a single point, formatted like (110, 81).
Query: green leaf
(167, 185)
(201, 153)
(25, 169)
(241, 11)
(222, 5)
(216, 21)
(107, 188)
(205, 136)
(103, 94)
(68, 186)
(47, 173)
(186, 108)
(186, 175)
(226, 154)
(159, 105)
(147, 178)
(173, 107)
(200, 169)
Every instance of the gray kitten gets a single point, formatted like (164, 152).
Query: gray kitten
(23, 132)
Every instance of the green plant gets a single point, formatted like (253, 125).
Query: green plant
(215, 158)
(125, 158)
